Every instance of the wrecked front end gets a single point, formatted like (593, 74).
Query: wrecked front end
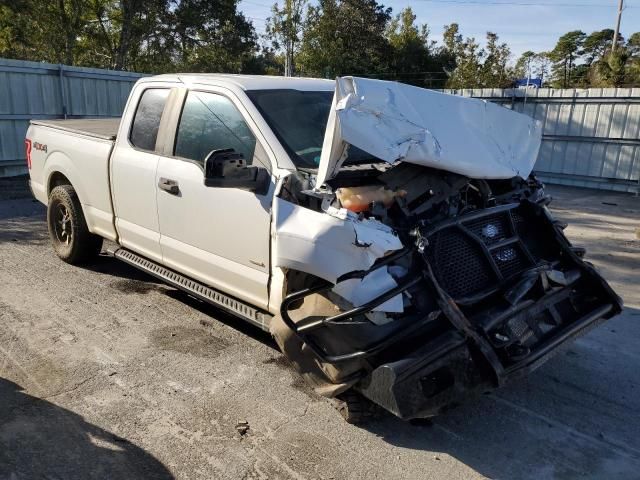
(419, 287)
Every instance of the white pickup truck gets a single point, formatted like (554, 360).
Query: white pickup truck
(392, 239)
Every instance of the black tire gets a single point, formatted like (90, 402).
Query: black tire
(355, 408)
(70, 237)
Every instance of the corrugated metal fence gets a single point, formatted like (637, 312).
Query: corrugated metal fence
(591, 137)
(43, 90)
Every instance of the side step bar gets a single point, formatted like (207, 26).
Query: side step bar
(234, 306)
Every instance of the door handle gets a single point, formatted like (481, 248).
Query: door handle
(169, 185)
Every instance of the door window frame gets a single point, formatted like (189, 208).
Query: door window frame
(174, 114)
(150, 86)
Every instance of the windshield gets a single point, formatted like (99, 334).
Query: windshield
(299, 118)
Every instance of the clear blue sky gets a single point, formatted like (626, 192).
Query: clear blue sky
(523, 24)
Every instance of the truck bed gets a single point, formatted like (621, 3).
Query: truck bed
(104, 128)
(80, 150)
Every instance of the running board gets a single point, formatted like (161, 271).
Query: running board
(202, 292)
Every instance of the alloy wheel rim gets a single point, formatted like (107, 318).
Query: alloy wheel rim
(62, 225)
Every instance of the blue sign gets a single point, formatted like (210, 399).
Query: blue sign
(531, 82)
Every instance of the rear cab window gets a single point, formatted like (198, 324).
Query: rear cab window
(146, 122)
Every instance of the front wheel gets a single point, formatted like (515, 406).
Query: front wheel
(71, 239)
(355, 408)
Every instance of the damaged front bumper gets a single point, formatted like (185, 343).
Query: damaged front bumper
(508, 290)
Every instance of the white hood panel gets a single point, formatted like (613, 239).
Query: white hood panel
(397, 122)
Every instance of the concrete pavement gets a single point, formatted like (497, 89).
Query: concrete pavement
(105, 373)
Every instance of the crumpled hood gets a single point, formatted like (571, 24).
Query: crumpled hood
(397, 122)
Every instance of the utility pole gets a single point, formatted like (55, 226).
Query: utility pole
(288, 54)
(617, 31)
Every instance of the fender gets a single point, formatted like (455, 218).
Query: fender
(99, 220)
(59, 162)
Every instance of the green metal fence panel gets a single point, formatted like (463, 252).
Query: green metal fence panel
(44, 90)
(591, 137)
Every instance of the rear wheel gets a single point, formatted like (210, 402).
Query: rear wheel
(71, 239)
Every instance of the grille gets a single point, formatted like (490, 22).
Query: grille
(458, 263)
(491, 229)
(476, 254)
(510, 260)
(518, 221)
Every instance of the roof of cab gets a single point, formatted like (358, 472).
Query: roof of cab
(246, 82)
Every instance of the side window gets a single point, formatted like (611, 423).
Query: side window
(146, 121)
(211, 122)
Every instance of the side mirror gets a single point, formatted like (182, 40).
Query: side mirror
(228, 169)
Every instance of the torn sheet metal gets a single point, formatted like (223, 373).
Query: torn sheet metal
(328, 245)
(397, 122)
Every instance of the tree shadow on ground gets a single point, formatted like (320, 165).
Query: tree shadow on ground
(41, 440)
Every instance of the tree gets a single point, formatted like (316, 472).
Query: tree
(284, 29)
(265, 62)
(532, 64)
(524, 65)
(42, 29)
(543, 65)
(564, 56)
(609, 71)
(345, 37)
(72, 19)
(416, 59)
(597, 44)
(324, 38)
(452, 37)
(494, 71)
(609, 67)
(633, 63)
(142, 35)
(467, 55)
(129, 10)
(211, 35)
(18, 33)
(476, 67)
(633, 45)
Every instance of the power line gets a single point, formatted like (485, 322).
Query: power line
(490, 3)
(511, 34)
(403, 74)
(257, 3)
(480, 3)
(520, 4)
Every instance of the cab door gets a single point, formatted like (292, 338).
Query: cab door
(134, 162)
(219, 236)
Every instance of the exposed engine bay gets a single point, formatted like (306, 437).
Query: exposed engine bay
(418, 286)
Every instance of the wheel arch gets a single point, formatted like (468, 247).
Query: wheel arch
(55, 179)
(60, 170)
